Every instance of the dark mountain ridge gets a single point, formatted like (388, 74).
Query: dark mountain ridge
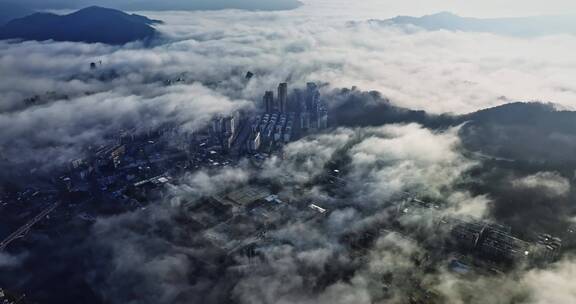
(534, 132)
(525, 131)
(92, 24)
(517, 26)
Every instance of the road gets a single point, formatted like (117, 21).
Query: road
(23, 230)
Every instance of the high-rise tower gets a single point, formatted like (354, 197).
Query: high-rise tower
(282, 97)
(269, 101)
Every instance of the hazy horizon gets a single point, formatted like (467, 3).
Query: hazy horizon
(363, 9)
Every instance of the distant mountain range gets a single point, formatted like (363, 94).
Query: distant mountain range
(521, 26)
(92, 24)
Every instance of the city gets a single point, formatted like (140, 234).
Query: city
(287, 152)
(135, 169)
(134, 164)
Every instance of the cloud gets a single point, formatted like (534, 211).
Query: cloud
(535, 286)
(196, 185)
(397, 158)
(307, 157)
(148, 266)
(554, 285)
(10, 261)
(298, 260)
(551, 182)
(462, 203)
(440, 72)
(59, 132)
(157, 256)
(476, 290)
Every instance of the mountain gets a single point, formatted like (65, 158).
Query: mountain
(525, 131)
(92, 24)
(11, 11)
(533, 132)
(266, 5)
(521, 26)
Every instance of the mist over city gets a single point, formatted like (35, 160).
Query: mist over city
(284, 151)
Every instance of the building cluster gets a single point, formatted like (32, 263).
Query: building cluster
(236, 222)
(9, 298)
(270, 128)
(133, 164)
(482, 239)
(306, 107)
(281, 118)
(226, 129)
(496, 242)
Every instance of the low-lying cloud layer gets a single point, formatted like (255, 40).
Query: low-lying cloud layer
(435, 71)
(59, 131)
(307, 261)
(53, 105)
(294, 269)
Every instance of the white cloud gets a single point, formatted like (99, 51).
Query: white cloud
(554, 285)
(552, 182)
(398, 158)
(9, 261)
(437, 71)
(59, 130)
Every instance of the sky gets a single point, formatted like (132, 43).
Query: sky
(374, 8)
(484, 8)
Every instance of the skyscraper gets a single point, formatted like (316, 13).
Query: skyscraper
(298, 102)
(282, 97)
(312, 96)
(305, 120)
(313, 104)
(323, 117)
(269, 101)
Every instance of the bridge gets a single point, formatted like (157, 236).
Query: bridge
(24, 229)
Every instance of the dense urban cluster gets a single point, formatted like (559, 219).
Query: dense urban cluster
(131, 170)
(135, 162)
(233, 226)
